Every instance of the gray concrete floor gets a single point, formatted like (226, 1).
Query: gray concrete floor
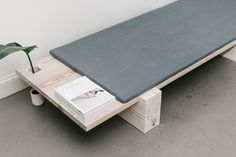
(198, 120)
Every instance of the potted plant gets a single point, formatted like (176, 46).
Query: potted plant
(10, 48)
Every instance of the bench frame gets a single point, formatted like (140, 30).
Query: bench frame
(143, 112)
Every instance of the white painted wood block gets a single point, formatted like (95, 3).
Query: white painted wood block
(145, 115)
(231, 54)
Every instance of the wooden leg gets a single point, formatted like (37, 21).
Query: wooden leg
(145, 115)
(231, 54)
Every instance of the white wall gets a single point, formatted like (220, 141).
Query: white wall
(51, 23)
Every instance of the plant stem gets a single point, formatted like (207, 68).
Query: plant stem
(31, 65)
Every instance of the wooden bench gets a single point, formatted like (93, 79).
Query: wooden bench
(143, 112)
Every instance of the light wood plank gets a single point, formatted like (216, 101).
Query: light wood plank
(54, 74)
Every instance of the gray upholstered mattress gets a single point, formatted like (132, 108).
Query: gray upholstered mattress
(132, 57)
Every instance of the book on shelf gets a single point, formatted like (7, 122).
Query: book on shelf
(85, 97)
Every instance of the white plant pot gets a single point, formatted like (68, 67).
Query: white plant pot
(36, 98)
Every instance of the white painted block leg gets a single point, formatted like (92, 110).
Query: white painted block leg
(231, 54)
(145, 115)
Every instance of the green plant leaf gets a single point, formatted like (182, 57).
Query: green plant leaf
(29, 49)
(10, 48)
(13, 44)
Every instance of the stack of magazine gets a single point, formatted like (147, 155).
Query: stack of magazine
(86, 98)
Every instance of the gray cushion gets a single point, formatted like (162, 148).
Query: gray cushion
(132, 57)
